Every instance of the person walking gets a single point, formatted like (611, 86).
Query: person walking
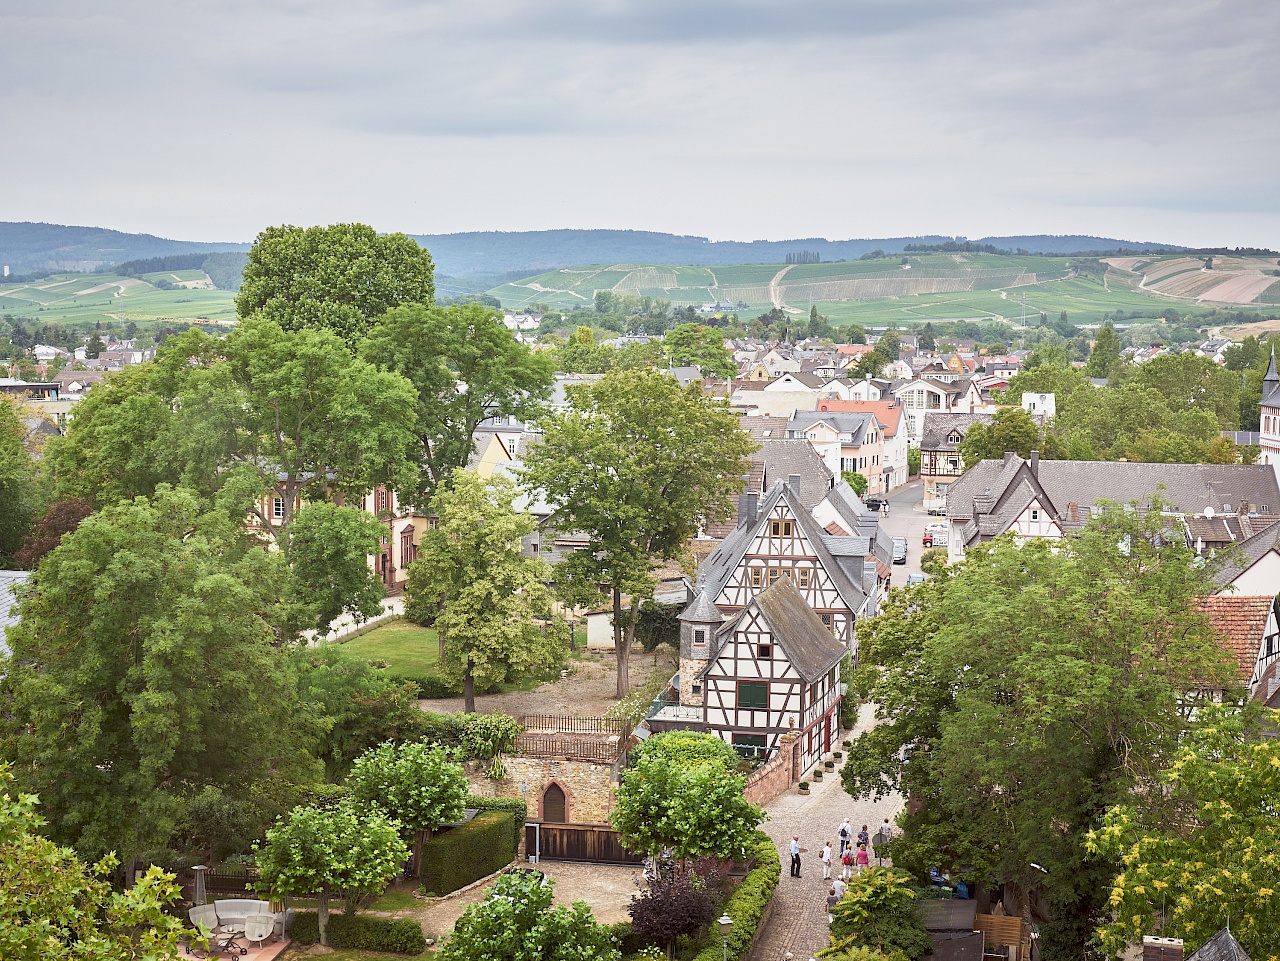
(795, 855)
(846, 834)
(863, 836)
(832, 899)
(864, 860)
(826, 860)
(846, 864)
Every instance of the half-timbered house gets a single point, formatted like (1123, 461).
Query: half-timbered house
(772, 668)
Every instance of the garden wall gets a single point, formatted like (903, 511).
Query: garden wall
(588, 787)
(778, 773)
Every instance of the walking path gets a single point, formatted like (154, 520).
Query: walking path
(798, 923)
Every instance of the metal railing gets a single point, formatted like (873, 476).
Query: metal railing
(569, 724)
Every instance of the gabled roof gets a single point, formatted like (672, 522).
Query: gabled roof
(938, 426)
(811, 381)
(1221, 947)
(1242, 622)
(1248, 553)
(808, 645)
(888, 412)
(785, 458)
(844, 422)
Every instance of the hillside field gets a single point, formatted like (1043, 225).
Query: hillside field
(90, 298)
(935, 286)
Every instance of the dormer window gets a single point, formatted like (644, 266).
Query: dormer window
(780, 528)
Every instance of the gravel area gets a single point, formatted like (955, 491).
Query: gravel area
(588, 691)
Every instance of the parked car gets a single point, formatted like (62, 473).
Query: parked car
(899, 550)
(936, 534)
(915, 579)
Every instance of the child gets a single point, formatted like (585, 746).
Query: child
(832, 898)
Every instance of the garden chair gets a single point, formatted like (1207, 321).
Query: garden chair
(259, 927)
(204, 918)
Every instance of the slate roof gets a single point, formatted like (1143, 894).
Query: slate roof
(786, 457)
(888, 412)
(1221, 947)
(1271, 384)
(810, 647)
(1248, 552)
(1242, 622)
(762, 428)
(1069, 489)
(752, 483)
(938, 424)
(701, 609)
(8, 618)
(846, 422)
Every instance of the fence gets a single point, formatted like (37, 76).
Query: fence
(225, 881)
(577, 842)
(568, 724)
(597, 749)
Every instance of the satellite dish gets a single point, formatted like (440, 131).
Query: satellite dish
(1208, 512)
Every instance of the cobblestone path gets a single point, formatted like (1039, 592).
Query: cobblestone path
(799, 920)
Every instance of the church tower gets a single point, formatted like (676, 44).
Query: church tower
(698, 625)
(1269, 421)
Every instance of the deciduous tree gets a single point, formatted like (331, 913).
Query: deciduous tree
(348, 850)
(466, 367)
(16, 481)
(638, 464)
(1031, 688)
(483, 596)
(340, 278)
(1104, 359)
(328, 553)
(694, 345)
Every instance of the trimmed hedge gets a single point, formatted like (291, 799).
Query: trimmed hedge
(452, 860)
(746, 906)
(512, 805)
(402, 936)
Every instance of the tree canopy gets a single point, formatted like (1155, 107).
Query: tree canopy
(1025, 691)
(466, 367)
(693, 345)
(483, 596)
(340, 278)
(17, 493)
(638, 464)
(144, 668)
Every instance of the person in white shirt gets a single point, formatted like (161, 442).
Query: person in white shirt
(826, 860)
(840, 887)
(846, 835)
(795, 855)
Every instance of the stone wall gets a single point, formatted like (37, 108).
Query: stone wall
(778, 773)
(588, 788)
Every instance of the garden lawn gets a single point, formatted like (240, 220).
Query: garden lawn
(404, 647)
(352, 954)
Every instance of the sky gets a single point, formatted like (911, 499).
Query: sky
(732, 119)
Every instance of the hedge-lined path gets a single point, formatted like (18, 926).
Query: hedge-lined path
(607, 888)
(798, 922)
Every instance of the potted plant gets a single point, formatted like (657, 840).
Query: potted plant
(804, 787)
(829, 765)
(837, 754)
(817, 774)
(847, 744)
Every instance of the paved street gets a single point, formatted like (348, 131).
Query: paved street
(907, 518)
(799, 920)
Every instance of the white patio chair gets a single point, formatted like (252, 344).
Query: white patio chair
(259, 927)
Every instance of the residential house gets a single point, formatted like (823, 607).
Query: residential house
(893, 424)
(869, 388)
(923, 395)
(1053, 498)
(771, 668)
(846, 442)
(1044, 406)
(781, 396)
(1269, 420)
(1250, 633)
(1253, 566)
(940, 461)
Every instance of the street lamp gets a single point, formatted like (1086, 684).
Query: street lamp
(726, 922)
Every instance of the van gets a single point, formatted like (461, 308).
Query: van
(899, 550)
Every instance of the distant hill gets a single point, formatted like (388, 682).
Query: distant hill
(504, 256)
(28, 248)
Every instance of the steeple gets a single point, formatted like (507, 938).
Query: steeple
(1272, 377)
(1271, 384)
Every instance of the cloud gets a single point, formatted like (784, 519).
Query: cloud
(733, 119)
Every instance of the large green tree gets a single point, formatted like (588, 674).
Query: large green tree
(415, 783)
(638, 464)
(1104, 359)
(328, 553)
(693, 345)
(340, 278)
(17, 494)
(144, 668)
(1189, 382)
(1023, 693)
(54, 907)
(1012, 429)
(518, 923)
(466, 367)
(1213, 858)
(486, 599)
(351, 849)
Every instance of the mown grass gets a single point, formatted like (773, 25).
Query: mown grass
(404, 647)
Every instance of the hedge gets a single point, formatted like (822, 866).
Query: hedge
(512, 805)
(746, 906)
(402, 936)
(452, 860)
(432, 686)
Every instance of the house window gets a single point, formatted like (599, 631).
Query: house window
(802, 576)
(699, 638)
(780, 528)
(764, 652)
(757, 577)
(1035, 514)
(277, 508)
(774, 574)
(826, 620)
(380, 499)
(753, 695)
(749, 745)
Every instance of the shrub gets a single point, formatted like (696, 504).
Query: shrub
(877, 912)
(452, 860)
(804, 785)
(747, 904)
(837, 754)
(687, 747)
(428, 685)
(512, 805)
(626, 939)
(671, 907)
(829, 765)
(403, 936)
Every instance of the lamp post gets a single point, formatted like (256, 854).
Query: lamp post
(725, 923)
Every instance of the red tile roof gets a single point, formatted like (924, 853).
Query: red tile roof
(888, 412)
(1242, 622)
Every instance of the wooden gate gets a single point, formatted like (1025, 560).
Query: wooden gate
(596, 843)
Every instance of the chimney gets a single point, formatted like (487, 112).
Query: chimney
(1161, 949)
(793, 481)
(1035, 463)
(746, 509)
(1073, 511)
(1008, 456)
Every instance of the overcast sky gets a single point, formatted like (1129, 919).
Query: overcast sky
(734, 119)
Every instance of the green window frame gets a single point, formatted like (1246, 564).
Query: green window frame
(750, 745)
(753, 695)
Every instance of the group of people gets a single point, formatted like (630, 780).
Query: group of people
(853, 856)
